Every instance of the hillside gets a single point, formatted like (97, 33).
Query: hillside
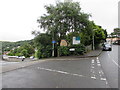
(7, 46)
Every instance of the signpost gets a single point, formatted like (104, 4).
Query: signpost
(76, 40)
(72, 49)
(63, 43)
(53, 42)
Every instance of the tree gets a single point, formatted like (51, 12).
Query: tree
(62, 19)
(43, 43)
(106, 35)
(116, 30)
(99, 35)
(43, 39)
(24, 50)
(25, 53)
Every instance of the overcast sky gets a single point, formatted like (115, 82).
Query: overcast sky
(18, 17)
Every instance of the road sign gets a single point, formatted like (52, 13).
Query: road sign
(53, 41)
(76, 40)
(63, 43)
(72, 49)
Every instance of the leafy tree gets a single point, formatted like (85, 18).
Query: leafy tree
(116, 30)
(99, 36)
(43, 39)
(29, 48)
(106, 35)
(63, 18)
(7, 46)
(24, 50)
(43, 43)
(25, 53)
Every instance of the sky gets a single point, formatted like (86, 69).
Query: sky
(19, 17)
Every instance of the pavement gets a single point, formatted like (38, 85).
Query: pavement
(19, 65)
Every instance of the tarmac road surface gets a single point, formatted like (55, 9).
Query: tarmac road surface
(94, 72)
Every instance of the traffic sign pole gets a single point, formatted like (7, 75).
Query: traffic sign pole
(53, 50)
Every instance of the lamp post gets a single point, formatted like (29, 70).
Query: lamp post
(93, 39)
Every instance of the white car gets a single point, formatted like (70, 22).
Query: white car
(107, 47)
(21, 57)
(31, 57)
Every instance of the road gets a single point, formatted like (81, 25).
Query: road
(109, 61)
(94, 72)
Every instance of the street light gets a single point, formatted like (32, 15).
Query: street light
(93, 39)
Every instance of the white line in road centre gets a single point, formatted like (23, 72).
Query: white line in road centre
(113, 60)
(62, 72)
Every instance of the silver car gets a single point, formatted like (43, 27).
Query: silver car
(107, 47)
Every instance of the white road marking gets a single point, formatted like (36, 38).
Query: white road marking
(104, 79)
(97, 58)
(99, 72)
(99, 64)
(93, 61)
(93, 77)
(98, 61)
(114, 61)
(5, 62)
(62, 72)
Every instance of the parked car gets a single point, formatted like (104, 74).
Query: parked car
(32, 57)
(107, 47)
(117, 42)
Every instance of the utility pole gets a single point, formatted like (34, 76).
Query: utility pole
(119, 19)
(93, 39)
(93, 42)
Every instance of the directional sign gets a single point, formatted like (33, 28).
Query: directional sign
(72, 49)
(53, 41)
(63, 43)
(76, 40)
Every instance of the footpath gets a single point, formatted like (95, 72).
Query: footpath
(19, 65)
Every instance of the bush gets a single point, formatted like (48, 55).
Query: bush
(44, 52)
(38, 54)
(79, 49)
(64, 51)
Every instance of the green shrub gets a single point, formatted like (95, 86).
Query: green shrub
(64, 51)
(79, 49)
(38, 54)
(44, 52)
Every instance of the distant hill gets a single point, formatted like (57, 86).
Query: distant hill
(7, 46)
